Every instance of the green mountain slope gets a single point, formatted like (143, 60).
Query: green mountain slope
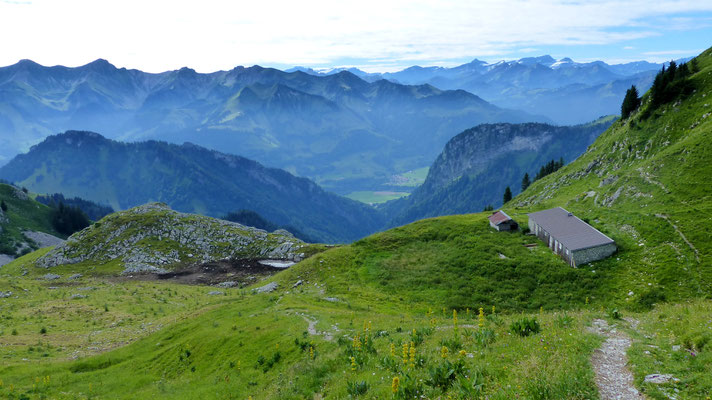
(646, 180)
(188, 178)
(23, 215)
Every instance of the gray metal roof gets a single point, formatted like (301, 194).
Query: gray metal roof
(570, 231)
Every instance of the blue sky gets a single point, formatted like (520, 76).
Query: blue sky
(375, 35)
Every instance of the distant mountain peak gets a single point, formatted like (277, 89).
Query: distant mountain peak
(544, 60)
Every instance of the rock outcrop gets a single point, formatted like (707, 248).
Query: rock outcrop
(153, 238)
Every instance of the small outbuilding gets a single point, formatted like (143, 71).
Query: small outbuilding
(571, 238)
(500, 221)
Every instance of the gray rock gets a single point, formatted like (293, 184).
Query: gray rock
(608, 181)
(5, 294)
(270, 287)
(215, 293)
(50, 277)
(74, 277)
(297, 283)
(228, 284)
(78, 296)
(5, 259)
(43, 239)
(659, 379)
(332, 299)
(140, 268)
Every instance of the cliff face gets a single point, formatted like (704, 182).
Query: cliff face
(477, 165)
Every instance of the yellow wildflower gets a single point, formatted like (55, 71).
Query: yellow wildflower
(481, 318)
(395, 384)
(443, 352)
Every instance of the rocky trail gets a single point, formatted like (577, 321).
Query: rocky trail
(614, 380)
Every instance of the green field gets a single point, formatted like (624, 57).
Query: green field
(411, 178)
(374, 197)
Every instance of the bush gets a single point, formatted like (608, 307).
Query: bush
(525, 327)
(613, 313)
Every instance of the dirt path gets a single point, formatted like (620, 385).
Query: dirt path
(665, 217)
(614, 380)
(311, 328)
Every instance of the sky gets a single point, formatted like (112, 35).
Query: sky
(374, 35)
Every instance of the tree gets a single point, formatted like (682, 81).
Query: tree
(631, 102)
(488, 207)
(3, 206)
(67, 219)
(507, 195)
(526, 181)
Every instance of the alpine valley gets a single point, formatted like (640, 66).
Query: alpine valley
(182, 235)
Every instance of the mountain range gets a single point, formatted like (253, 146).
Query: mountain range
(189, 178)
(565, 91)
(339, 130)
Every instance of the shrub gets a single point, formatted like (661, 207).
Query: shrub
(443, 376)
(525, 327)
(613, 313)
(563, 321)
(43, 331)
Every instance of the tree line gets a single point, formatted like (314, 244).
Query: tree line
(669, 84)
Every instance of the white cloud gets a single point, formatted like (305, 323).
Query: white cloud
(212, 34)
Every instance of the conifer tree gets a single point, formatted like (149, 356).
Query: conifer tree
(631, 102)
(507, 195)
(3, 206)
(526, 181)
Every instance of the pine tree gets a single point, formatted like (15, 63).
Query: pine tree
(3, 206)
(525, 181)
(631, 102)
(507, 195)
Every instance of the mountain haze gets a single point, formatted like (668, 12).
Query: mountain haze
(565, 91)
(343, 132)
(189, 178)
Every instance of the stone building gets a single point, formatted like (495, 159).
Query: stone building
(500, 221)
(566, 235)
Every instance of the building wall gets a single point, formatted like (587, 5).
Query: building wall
(574, 258)
(594, 253)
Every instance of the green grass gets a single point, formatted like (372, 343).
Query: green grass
(374, 197)
(21, 215)
(216, 352)
(674, 339)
